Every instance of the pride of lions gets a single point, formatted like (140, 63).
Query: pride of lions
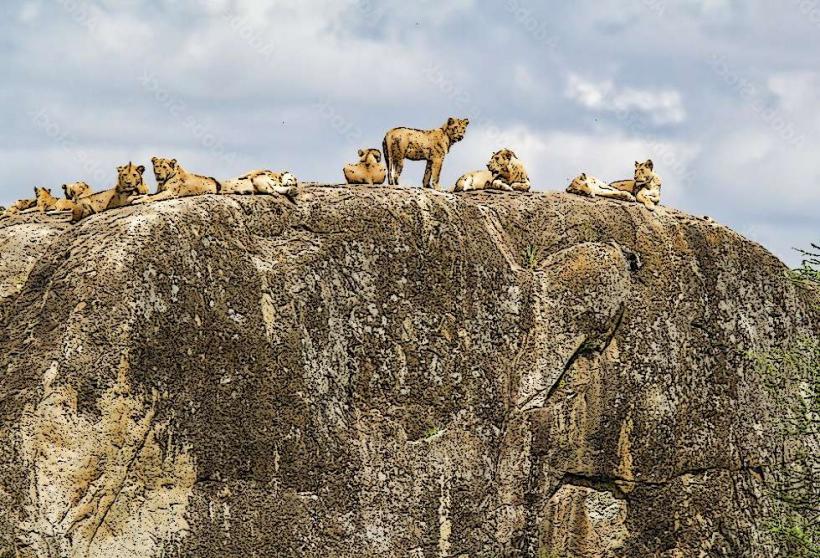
(504, 172)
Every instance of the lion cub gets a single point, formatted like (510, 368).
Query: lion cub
(422, 145)
(646, 186)
(173, 181)
(369, 170)
(47, 202)
(261, 182)
(585, 185)
(476, 180)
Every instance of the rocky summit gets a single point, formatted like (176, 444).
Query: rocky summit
(388, 372)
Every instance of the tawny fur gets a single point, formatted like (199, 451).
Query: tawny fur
(20, 205)
(421, 145)
(130, 185)
(646, 186)
(261, 182)
(369, 170)
(590, 186)
(47, 202)
(476, 180)
(75, 191)
(508, 172)
(173, 181)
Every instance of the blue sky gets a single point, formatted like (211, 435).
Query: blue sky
(724, 95)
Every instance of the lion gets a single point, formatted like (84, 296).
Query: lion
(130, 186)
(476, 180)
(584, 185)
(261, 182)
(75, 191)
(508, 172)
(20, 206)
(422, 145)
(646, 186)
(47, 202)
(173, 181)
(369, 170)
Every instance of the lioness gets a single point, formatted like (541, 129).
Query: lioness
(20, 205)
(508, 172)
(130, 185)
(74, 191)
(261, 182)
(421, 145)
(476, 180)
(646, 186)
(173, 181)
(369, 170)
(47, 202)
(585, 185)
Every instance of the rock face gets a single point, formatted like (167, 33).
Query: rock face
(387, 372)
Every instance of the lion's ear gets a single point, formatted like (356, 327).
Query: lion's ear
(451, 121)
(466, 121)
(174, 163)
(650, 164)
(154, 159)
(583, 176)
(378, 155)
(361, 152)
(141, 169)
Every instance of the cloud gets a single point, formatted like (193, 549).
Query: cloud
(664, 106)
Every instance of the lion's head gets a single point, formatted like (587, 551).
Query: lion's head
(42, 195)
(129, 178)
(456, 128)
(499, 163)
(164, 169)
(644, 171)
(76, 190)
(371, 156)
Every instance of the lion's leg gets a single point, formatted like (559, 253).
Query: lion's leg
(428, 173)
(647, 199)
(435, 168)
(398, 167)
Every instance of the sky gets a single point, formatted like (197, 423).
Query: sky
(723, 95)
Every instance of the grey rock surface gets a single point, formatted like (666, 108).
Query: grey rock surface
(387, 372)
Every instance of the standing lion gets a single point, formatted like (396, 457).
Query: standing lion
(422, 145)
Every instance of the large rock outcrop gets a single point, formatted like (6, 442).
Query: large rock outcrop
(388, 372)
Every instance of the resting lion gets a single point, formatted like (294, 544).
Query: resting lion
(476, 180)
(261, 182)
(74, 191)
(173, 181)
(47, 202)
(646, 186)
(130, 185)
(20, 205)
(585, 185)
(508, 172)
(369, 170)
(421, 145)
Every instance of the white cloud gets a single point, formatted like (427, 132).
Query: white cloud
(664, 106)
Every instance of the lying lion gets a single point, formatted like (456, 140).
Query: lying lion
(585, 185)
(47, 202)
(646, 186)
(505, 171)
(261, 182)
(173, 181)
(422, 145)
(130, 186)
(20, 206)
(369, 170)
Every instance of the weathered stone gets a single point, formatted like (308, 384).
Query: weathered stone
(387, 372)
